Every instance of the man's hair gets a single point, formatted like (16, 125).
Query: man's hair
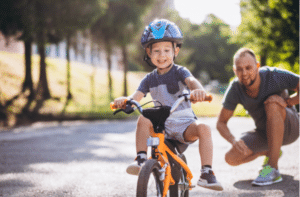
(241, 53)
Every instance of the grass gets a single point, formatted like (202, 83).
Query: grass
(89, 99)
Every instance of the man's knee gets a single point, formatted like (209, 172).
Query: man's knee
(231, 159)
(272, 104)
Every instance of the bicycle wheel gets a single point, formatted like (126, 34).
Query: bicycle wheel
(180, 188)
(148, 181)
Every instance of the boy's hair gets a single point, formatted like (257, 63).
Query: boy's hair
(241, 53)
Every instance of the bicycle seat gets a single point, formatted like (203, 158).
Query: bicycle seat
(174, 144)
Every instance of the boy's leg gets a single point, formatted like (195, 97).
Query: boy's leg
(142, 133)
(202, 132)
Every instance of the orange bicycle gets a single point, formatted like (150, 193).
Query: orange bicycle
(166, 169)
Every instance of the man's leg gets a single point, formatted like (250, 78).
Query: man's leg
(234, 157)
(276, 115)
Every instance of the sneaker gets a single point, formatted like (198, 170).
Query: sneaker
(208, 180)
(266, 160)
(135, 167)
(267, 176)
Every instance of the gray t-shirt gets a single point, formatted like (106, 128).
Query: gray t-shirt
(166, 89)
(273, 81)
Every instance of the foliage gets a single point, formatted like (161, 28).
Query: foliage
(270, 27)
(206, 47)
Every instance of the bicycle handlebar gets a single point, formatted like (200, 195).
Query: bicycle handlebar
(184, 97)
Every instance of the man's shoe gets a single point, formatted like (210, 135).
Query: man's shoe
(135, 167)
(266, 160)
(267, 176)
(208, 180)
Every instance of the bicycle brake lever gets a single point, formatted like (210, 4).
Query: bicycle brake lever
(117, 111)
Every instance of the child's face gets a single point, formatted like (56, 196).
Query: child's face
(162, 54)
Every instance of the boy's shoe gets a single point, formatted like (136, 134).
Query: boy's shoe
(266, 160)
(208, 180)
(267, 176)
(136, 166)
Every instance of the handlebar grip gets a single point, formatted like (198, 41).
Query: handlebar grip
(208, 97)
(113, 107)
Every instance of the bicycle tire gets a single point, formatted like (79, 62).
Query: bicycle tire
(180, 188)
(149, 173)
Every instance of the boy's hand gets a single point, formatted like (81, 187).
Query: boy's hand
(198, 95)
(120, 102)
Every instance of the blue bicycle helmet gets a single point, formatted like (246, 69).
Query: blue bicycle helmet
(161, 30)
(158, 31)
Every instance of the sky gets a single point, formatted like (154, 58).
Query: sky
(197, 10)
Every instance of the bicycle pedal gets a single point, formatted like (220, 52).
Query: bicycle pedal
(192, 186)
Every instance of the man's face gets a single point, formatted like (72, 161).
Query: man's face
(162, 54)
(246, 69)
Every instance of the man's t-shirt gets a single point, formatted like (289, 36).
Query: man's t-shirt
(166, 89)
(273, 81)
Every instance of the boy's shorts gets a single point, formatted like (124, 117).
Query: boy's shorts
(175, 129)
(258, 143)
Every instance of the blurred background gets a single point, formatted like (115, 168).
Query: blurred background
(68, 59)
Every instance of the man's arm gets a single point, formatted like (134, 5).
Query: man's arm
(222, 127)
(294, 99)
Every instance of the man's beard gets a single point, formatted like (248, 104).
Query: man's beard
(251, 83)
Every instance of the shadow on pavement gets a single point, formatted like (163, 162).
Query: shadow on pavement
(61, 144)
(288, 186)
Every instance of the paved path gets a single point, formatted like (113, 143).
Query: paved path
(83, 159)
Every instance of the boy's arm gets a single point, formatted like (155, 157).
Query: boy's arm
(197, 91)
(137, 96)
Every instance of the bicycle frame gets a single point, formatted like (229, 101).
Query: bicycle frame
(160, 153)
(160, 150)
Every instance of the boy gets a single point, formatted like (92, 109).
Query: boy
(162, 40)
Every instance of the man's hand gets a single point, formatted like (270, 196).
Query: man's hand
(241, 147)
(198, 95)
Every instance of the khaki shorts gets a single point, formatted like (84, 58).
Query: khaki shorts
(258, 143)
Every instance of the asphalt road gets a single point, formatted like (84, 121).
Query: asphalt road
(89, 159)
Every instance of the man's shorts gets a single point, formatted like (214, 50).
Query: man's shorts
(258, 143)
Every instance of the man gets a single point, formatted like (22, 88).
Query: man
(260, 91)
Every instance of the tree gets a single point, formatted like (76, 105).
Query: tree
(15, 17)
(271, 28)
(129, 16)
(74, 16)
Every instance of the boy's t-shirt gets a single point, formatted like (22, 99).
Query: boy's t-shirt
(166, 89)
(273, 81)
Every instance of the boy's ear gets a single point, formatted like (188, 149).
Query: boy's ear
(148, 52)
(177, 49)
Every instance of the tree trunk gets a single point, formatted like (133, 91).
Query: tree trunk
(263, 57)
(69, 95)
(125, 69)
(27, 84)
(108, 59)
(43, 90)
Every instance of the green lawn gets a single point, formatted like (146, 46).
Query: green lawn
(88, 100)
